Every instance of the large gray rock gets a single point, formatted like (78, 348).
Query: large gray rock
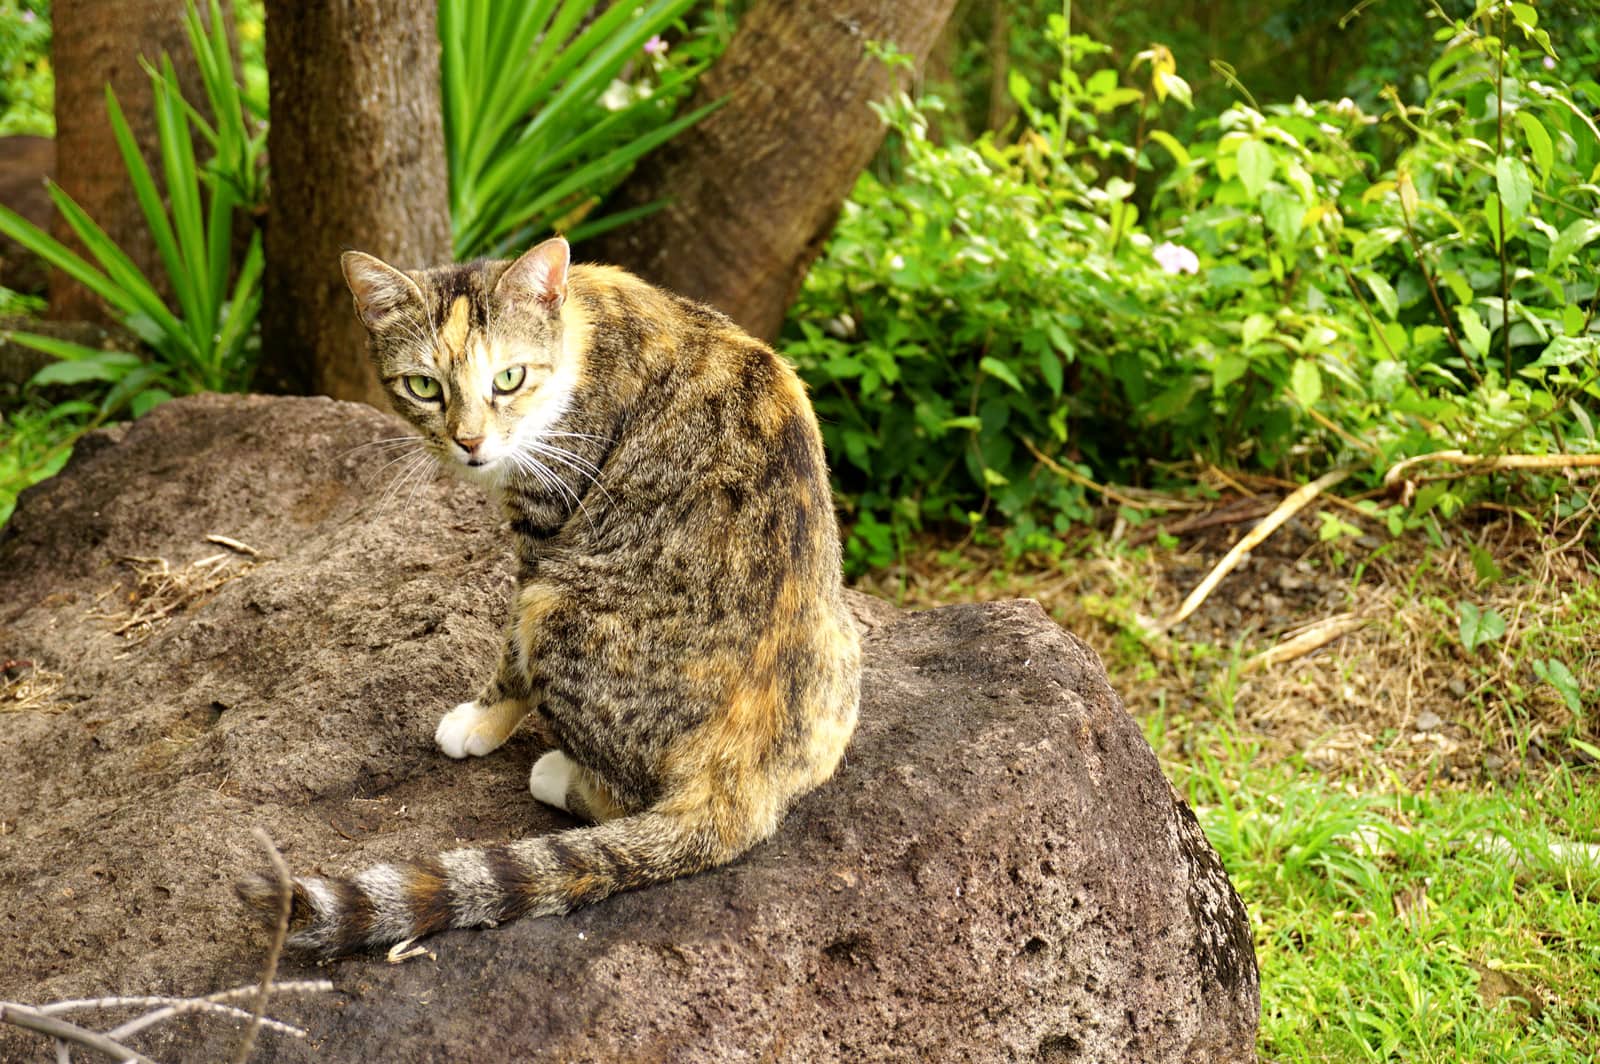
(999, 872)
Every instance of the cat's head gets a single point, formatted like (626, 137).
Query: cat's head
(475, 356)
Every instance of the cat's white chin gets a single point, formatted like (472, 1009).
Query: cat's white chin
(488, 474)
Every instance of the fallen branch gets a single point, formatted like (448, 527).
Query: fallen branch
(1312, 638)
(1488, 463)
(62, 1031)
(1237, 512)
(1286, 509)
(42, 1019)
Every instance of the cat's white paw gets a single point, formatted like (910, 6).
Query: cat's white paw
(551, 777)
(467, 730)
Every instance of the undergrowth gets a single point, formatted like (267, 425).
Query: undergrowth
(1297, 286)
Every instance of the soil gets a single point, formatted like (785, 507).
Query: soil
(1395, 692)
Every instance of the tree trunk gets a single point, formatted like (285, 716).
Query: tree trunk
(756, 186)
(95, 42)
(357, 150)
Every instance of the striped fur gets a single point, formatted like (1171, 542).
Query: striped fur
(679, 622)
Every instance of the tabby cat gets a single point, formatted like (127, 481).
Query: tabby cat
(678, 621)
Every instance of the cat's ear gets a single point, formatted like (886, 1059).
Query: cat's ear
(379, 288)
(538, 278)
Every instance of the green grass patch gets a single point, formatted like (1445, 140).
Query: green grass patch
(1406, 925)
(35, 442)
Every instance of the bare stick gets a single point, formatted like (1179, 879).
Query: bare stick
(166, 1012)
(296, 986)
(280, 933)
(1149, 503)
(59, 1029)
(1316, 637)
(1270, 524)
(233, 544)
(1489, 462)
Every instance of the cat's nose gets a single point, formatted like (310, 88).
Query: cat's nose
(469, 443)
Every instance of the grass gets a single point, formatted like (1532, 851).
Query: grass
(35, 442)
(1411, 813)
(1408, 925)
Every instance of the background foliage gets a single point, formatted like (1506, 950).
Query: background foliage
(1286, 286)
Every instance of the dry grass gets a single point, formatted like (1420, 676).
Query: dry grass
(26, 688)
(1346, 651)
(160, 591)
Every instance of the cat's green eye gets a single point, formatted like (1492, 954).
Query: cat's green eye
(424, 388)
(509, 380)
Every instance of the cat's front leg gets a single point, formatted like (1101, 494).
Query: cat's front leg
(478, 727)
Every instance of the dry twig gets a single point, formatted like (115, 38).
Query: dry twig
(232, 544)
(1121, 496)
(1314, 637)
(43, 1019)
(1285, 510)
(269, 970)
(161, 591)
(1487, 463)
(63, 1032)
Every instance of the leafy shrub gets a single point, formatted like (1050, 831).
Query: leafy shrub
(538, 125)
(1261, 295)
(27, 84)
(206, 342)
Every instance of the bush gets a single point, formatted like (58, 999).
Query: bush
(1262, 295)
(27, 84)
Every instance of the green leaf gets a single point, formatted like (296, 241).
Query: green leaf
(1484, 566)
(1478, 627)
(108, 366)
(1572, 319)
(1257, 327)
(999, 370)
(1538, 140)
(1383, 292)
(1176, 87)
(1516, 187)
(1050, 369)
(1019, 86)
(1285, 216)
(1228, 369)
(1573, 237)
(1180, 154)
(1256, 164)
(1472, 325)
(147, 401)
(1555, 672)
(1305, 380)
(1564, 351)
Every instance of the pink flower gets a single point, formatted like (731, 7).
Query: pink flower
(1175, 259)
(1549, 62)
(655, 46)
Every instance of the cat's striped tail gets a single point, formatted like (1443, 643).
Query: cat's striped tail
(480, 887)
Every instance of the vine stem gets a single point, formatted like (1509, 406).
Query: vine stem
(1499, 198)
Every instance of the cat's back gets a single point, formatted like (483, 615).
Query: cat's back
(718, 425)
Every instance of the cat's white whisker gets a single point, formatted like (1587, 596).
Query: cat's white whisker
(407, 472)
(549, 478)
(576, 462)
(386, 444)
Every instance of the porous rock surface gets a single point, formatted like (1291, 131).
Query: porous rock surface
(999, 871)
